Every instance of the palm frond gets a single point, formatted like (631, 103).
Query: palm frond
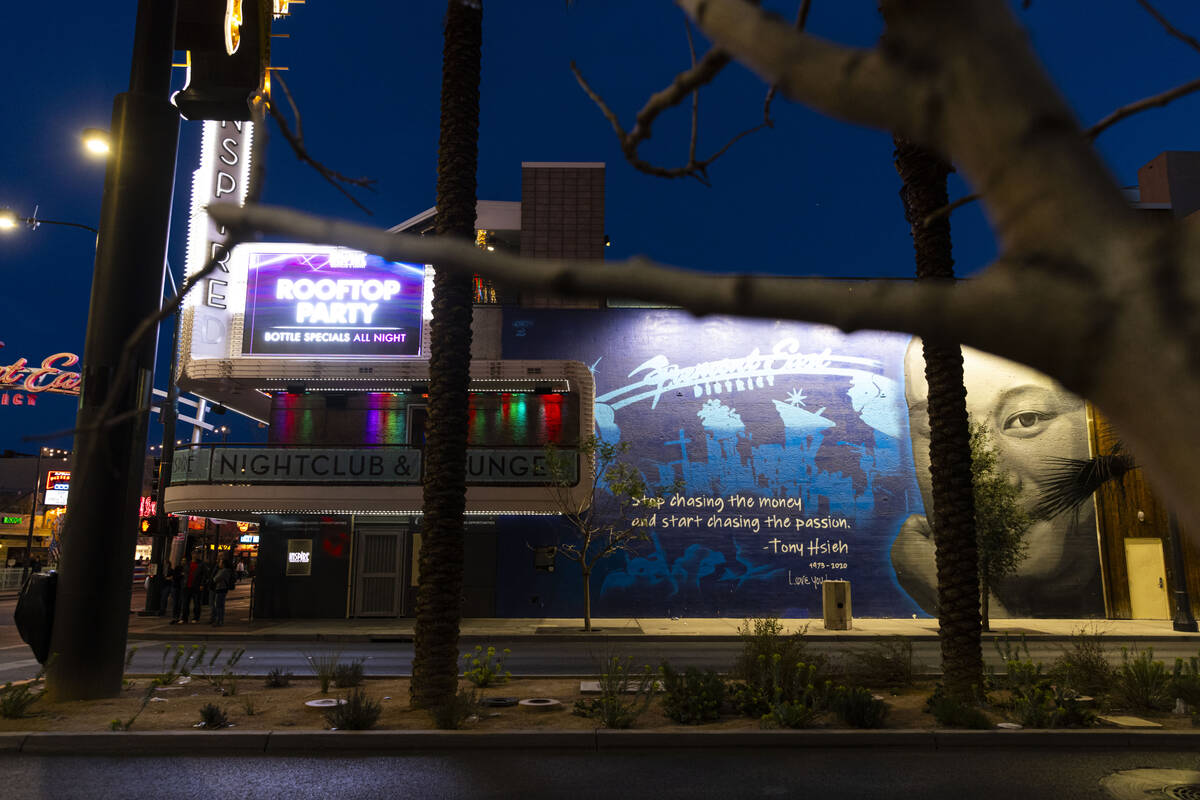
(1068, 482)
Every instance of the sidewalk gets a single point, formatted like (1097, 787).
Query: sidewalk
(239, 626)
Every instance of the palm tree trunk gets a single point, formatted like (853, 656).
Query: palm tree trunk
(953, 513)
(439, 591)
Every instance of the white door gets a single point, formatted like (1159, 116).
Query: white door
(380, 571)
(1147, 579)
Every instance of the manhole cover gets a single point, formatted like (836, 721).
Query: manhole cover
(1139, 784)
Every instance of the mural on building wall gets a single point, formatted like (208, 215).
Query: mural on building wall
(793, 443)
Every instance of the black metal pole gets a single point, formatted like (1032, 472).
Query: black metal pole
(96, 572)
(37, 485)
(1183, 619)
(160, 548)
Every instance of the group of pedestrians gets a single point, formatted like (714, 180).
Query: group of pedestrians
(187, 582)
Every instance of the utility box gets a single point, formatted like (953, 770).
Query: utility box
(835, 599)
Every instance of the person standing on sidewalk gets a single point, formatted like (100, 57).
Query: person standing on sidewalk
(222, 581)
(192, 585)
(170, 590)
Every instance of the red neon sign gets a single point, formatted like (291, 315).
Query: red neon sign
(49, 377)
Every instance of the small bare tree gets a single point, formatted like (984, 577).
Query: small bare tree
(603, 526)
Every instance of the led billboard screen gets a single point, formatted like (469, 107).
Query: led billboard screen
(330, 302)
(58, 484)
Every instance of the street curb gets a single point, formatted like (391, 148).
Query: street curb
(406, 638)
(309, 741)
(129, 742)
(228, 742)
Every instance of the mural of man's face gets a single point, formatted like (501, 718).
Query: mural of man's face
(1030, 418)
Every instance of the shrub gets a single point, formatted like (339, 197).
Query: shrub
(764, 638)
(858, 708)
(888, 662)
(1141, 682)
(358, 713)
(16, 700)
(623, 698)
(348, 675)
(324, 666)
(1048, 707)
(952, 713)
(773, 682)
(224, 681)
(249, 706)
(1021, 672)
(1084, 667)
(184, 661)
(484, 668)
(692, 697)
(789, 715)
(277, 678)
(212, 716)
(454, 715)
(1185, 681)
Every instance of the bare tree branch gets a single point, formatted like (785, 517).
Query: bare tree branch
(689, 82)
(1191, 41)
(1157, 101)
(801, 21)
(296, 140)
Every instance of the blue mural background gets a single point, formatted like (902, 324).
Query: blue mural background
(792, 442)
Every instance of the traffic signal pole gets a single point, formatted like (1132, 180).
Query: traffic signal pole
(96, 570)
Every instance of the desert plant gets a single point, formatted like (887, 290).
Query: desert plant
(212, 716)
(324, 666)
(249, 706)
(765, 637)
(774, 682)
(15, 699)
(887, 662)
(277, 678)
(1050, 707)
(358, 713)
(184, 661)
(1141, 682)
(1021, 672)
(225, 680)
(789, 715)
(348, 675)
(692, 697)
(952, 713)
(455, 714)
(858, 708)
(1185, 681)
(484, 668)
(1084, 667)
(624, 696)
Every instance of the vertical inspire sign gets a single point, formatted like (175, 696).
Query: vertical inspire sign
(223, 175)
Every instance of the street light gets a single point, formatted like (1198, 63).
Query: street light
(96, 142)
(9, 220)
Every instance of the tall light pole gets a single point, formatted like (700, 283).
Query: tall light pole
(96, 569)
(37, 487)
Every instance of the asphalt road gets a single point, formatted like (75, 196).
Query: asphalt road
(975, 773)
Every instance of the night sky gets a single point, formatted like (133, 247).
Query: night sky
(810, 197)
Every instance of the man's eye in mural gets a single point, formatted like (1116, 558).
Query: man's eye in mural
(1024, 424)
